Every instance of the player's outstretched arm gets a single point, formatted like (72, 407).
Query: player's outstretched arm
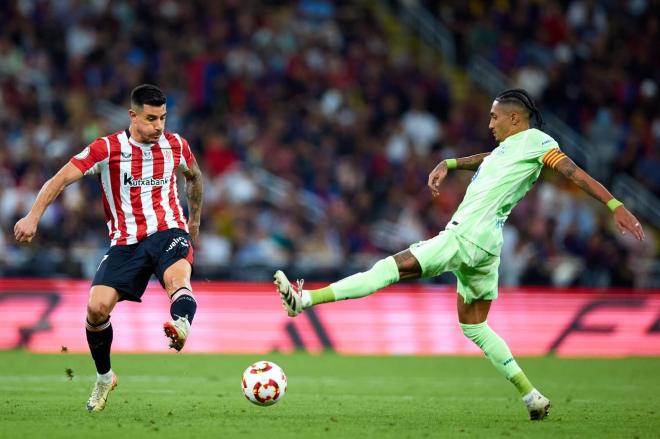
(194, 192)
(26, 227)
(439, 173)
(623, 219)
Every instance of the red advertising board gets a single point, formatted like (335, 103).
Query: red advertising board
(409, 319)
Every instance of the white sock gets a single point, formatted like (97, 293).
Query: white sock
(186, 322)
(528, 398)
(105, 378)
(306, 299)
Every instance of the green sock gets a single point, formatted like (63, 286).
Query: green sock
(322, 295)
(383, 273)
(521, 382)
(498, 353)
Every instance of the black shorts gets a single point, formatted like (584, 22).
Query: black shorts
(127, 268)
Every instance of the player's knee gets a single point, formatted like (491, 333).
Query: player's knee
(474, 332)
(387, 270)
(97, 312)
(408, 266)
(177, 276)
(174, 280)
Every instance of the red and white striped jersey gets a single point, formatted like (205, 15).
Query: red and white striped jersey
(138, 183)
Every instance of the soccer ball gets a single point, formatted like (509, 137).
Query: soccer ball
(264, 383)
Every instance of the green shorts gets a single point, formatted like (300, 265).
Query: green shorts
(475, 268)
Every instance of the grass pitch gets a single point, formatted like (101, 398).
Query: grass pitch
(329, 396)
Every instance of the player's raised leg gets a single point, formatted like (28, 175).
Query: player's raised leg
(102, 299)
(183, 306)
(385, 272)
(472, 317)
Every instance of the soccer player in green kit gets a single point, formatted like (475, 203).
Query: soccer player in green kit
(470, 244)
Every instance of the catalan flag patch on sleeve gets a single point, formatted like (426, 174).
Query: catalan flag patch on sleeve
(552, 157)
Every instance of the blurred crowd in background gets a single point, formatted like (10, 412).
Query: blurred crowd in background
(592, 63)
(315, 137)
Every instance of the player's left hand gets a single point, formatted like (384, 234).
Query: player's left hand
(193, 230)
(625, 220)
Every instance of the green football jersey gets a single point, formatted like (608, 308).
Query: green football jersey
(502, 179)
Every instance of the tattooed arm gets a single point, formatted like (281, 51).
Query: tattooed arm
(471, 163)
(623, 219)
(439, 173)
(194, 191)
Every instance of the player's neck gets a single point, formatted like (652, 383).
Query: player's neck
(516, 130)
(136, 138)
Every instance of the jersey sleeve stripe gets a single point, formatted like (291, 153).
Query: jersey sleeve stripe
(186, 153)
(93, 154)
(80, 165)
(182, 156)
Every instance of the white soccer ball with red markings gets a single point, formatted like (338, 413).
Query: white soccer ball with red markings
(264, 383)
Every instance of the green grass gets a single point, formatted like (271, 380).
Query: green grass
(329, 396)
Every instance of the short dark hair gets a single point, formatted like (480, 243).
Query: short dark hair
(520, 97)
(147, 94)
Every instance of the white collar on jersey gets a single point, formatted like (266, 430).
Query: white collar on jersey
(141, 145)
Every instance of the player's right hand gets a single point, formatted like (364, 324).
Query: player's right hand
(25, 229)
(436, 176)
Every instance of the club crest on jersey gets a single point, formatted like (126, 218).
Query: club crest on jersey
(82, 155)
(136, 182)
(500, 150)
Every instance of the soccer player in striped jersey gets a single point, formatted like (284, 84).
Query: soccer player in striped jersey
(149, 234)
(471, 242)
